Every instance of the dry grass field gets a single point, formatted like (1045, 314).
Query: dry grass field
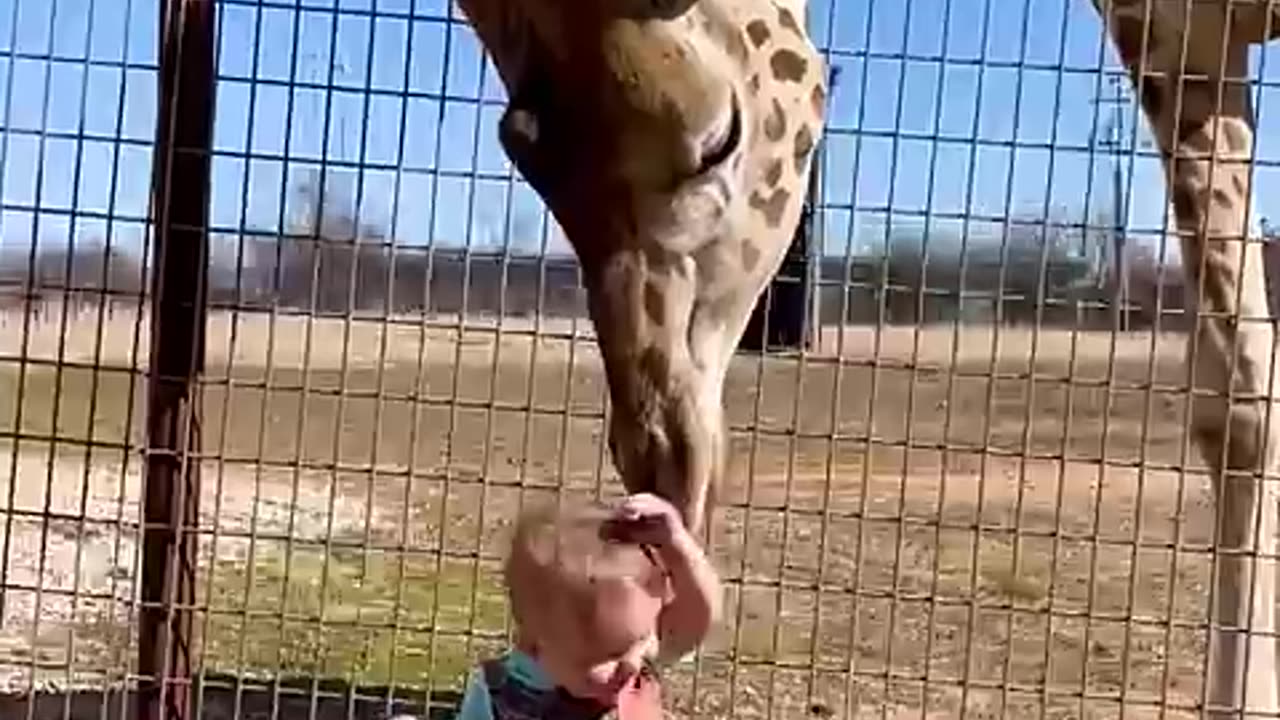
(915, 520)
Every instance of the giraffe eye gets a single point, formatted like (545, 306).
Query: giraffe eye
(718, 151)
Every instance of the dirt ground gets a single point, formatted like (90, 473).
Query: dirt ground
(915, 521)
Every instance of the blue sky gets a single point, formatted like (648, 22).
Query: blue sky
(943, 108)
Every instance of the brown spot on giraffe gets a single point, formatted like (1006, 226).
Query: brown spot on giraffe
(758, 31)
(1238, 185)
(737, 46)
(1184, 203)
(775, 125)
(803, 146)
(818, 99)
(717, 306)
(788, 66)
(788, 22)
(750, 255)
(771, 207)
(773, 172)
(653, 303)
(753, 84)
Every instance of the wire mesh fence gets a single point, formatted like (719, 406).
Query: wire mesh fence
(974, 493)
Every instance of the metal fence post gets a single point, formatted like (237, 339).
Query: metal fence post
(180, 192)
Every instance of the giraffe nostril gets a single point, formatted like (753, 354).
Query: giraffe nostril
(521, 125)
(533, 149)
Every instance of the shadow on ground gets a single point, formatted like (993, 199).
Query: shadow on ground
(223, 700)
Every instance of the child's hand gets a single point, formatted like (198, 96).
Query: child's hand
(645, 519)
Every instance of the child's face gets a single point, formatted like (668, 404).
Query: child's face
(592, 649)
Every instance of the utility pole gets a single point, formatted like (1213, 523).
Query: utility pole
(1112, 142)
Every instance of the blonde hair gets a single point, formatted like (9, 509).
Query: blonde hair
(558, 554)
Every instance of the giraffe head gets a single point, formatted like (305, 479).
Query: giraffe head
(672, 140)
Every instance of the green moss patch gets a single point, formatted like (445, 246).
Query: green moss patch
(366, 618)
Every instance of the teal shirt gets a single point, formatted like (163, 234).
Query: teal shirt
(518, 667)
(476, 704)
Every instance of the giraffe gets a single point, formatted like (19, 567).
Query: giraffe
(673, 139)
(1188, 65)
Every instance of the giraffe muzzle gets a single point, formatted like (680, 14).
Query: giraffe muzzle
(675, 453)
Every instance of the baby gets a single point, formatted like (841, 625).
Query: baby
(600, 599)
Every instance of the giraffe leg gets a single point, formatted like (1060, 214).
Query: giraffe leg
(1205, 128)
(1232, 427)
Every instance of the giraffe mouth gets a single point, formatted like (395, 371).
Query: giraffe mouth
(718, 148)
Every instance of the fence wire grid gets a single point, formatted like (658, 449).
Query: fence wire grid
(971, 493)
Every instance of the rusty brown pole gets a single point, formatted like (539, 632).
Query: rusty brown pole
(180, 193)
